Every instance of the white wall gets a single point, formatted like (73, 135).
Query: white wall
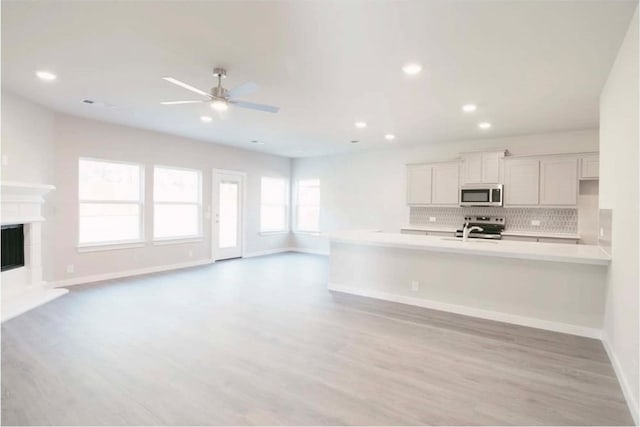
(76, 137)
(27, 147)
(619, 139)
(367, 190)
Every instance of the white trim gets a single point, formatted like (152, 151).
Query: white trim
(267, 252)
(128, 273)
(177, 240)
(474, 312)
(33, 297)
(624, 385)
(99, 247)
(310, 251)
(273, 233)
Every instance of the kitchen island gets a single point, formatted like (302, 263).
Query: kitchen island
(551, 286)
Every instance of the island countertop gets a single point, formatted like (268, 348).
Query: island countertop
(555, 252)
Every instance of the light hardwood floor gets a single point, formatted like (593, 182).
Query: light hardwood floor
(261, 341)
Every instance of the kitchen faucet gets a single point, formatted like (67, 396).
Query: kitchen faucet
(466, 230)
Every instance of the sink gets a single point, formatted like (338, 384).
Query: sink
(459, 239)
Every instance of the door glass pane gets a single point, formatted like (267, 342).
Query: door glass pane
(228, 215)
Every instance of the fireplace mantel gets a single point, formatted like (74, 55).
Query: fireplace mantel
(22, 202)
(23, 288)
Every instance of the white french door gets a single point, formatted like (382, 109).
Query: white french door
(228, 197)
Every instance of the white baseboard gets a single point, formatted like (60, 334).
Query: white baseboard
(624, 384)
(474, 312)
(266, 252)
(310, 251)
(127, 273)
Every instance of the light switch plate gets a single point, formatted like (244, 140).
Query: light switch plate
(432, 219)
(535, 222)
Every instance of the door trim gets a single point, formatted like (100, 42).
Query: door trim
(243, 209)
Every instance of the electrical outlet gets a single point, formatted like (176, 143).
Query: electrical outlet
(190, 254)
(432, 219)
(535, 222)
(5, 160)
(415, 285)
(71, 269)
(601, 232)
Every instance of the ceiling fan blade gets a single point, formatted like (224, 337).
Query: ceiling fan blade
(252, 106)
(243, 89)
(186, 86)
(181, 102)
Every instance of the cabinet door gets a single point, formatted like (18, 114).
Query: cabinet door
(559, 181)
(446, 184)
(418, 184)
(472, 168)
(521, 182)
(590, 167)
(491, 167)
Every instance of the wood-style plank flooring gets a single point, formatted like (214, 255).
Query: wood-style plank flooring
(262, 342)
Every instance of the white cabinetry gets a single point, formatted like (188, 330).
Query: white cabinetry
(479, 168)
(418, 184)
(521, 182)
(445, 184)
(590, 167)
(433, 184)
(559, 181)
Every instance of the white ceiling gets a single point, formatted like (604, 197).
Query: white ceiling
(531, 67)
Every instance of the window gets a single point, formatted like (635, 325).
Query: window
(274, 206)
(177, 206)
(110, 196)
(308, 205)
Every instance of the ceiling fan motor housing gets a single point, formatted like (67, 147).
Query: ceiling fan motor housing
(219, 92)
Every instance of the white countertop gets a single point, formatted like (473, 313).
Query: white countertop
(504, 233)
(429, 228)
(557, 252)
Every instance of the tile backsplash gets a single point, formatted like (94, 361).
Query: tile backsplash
(564, 220)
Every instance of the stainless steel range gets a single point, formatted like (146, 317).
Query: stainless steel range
(482, 227)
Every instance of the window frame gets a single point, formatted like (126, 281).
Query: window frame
(287, 204)
(115, 244)
(297, 205)
(183, 238)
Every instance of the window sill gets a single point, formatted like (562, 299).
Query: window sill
(110, 246)
(177, 240)
(273, 233)
(308, 233)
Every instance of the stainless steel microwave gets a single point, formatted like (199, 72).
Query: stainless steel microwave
(481, 195)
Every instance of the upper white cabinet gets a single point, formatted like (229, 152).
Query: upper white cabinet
(590, 167)
(418, 184)
(433, 184)
(559, 181)
(521, 181)
(445, 187)
(482, 167)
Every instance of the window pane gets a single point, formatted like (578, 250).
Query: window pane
(175, 220)
(273, 218)
(176, 185)
(109, 222)
(100, 180)
(308, 218)
(309, 192)
(273, 191)
(228, 215)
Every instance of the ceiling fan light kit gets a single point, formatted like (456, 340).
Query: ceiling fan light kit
(219, 97)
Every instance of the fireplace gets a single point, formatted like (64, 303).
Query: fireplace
(12, 246)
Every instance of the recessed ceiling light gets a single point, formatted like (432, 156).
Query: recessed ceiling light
(389, 137)
(205, 119)
(257, 142)
(46, 76)
(219, 105)
(360, 125)
(484, 125)
(469, 108)
(412, 68)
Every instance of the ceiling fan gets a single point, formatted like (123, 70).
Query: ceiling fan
(220, 98)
